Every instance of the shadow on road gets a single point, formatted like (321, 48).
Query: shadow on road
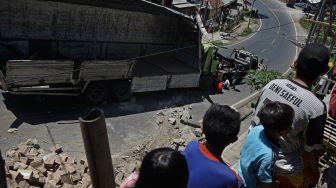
(36, 110)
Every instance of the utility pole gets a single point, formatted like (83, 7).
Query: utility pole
(248, 24)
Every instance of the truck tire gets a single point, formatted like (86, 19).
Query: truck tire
(96, 93)
(206, 82)
(122, 90)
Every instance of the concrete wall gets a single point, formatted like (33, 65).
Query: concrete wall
(48, 29)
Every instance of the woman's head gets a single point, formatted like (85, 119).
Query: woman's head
(164, 168)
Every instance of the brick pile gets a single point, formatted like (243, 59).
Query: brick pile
(29, 166)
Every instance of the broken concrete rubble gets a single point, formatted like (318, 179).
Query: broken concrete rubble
(172, 121)
(28, 166)
(198, 132)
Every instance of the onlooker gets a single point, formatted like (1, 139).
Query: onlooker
(323, 87)
(257, 154)
(332, 103)
(221, 125)
(162, 167)
(306, 138)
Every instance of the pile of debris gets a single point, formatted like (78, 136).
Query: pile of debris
(29, 166)
(176, 128)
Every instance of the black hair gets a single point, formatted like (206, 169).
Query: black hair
(221, 125)
(276, 116)
(164, 168)
(312, 62)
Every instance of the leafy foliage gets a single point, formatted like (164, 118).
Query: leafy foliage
(257, 79)
(305, 24)
(217, 43)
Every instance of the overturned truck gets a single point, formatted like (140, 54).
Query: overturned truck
(94, 48)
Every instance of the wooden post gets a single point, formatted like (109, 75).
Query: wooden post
(97, 149)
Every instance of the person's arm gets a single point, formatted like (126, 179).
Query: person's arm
(265, 173)
(313, 146)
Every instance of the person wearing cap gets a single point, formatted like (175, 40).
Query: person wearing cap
(296, 163)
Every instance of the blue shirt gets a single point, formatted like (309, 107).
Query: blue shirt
(206, 171)
(256, 159)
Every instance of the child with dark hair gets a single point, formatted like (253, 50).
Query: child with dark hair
(162, 167)
(257, 154)
(221, 125)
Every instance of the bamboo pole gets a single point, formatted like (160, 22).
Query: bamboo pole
(326, 24)
(328, 30)
(319, 27)
(316, 17)
(97, 149)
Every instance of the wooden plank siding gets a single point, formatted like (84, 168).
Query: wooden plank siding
(19, 70)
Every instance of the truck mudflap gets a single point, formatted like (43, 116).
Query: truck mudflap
(3, 84)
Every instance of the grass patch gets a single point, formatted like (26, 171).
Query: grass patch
(246, 32)
(246, 12)
(305, 24)
(218, 43)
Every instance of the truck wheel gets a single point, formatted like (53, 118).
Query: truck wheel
(122, 90)
(95, 93)
(206, 82)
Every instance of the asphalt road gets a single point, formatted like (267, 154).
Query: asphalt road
(270, 41)
(55, 119)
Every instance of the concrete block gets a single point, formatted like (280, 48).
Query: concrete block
(83, 161)
(50, 184)
(38, 161)
(42, 170)
(49, 161)
(18, 177)
(24, 160)
(24, 184)
(75, 177)
(26, 174)
(57, 149)
(33, 152)
(71, 160)
(172, 121)
(64, 157)
(70, 168)
(65, 178)
(23, 150)
(9, 163)
(18, 165)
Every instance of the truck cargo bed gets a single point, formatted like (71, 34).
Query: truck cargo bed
(159, 74)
